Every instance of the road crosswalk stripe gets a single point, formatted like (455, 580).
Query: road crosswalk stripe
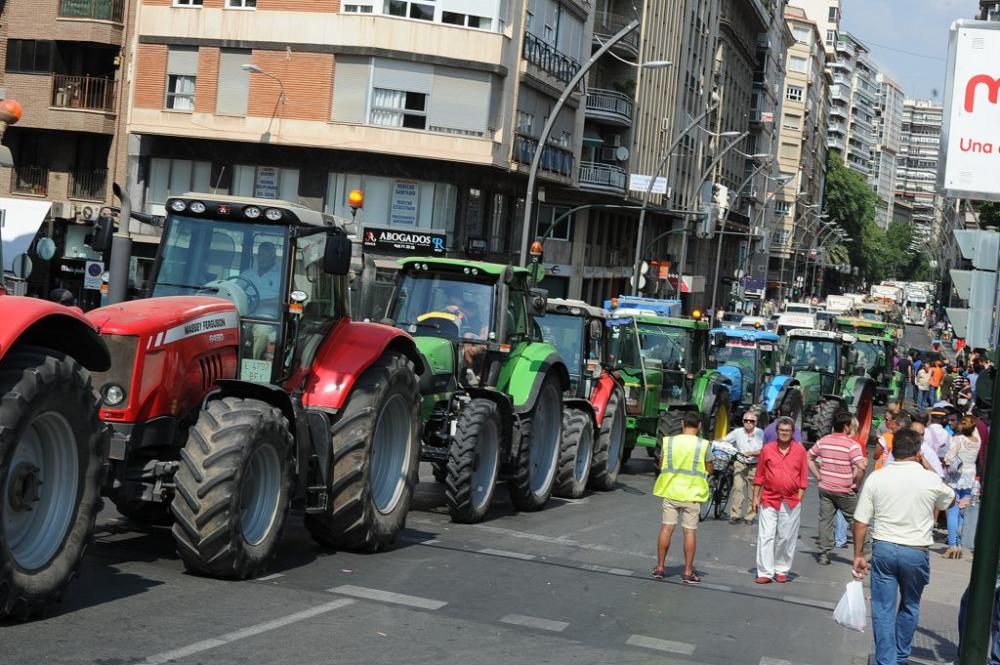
(670, 646)
(243, 633)
(535, 622)
(388, 597)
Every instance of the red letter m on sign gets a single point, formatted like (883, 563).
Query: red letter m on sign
(992, 84)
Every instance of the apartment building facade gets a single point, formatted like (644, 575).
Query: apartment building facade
(826, 14)
(64, 62)
(853, 96)
(434, 110)
(888, 134)
(916, 176)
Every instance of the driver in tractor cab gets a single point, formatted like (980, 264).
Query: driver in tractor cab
(822, 360)
(472, 325)
(265, 276)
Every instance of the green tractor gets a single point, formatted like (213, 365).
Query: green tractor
(815, 370)
(492, 389)
(876, 347)
(661, 357)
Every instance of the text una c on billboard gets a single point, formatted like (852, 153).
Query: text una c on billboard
(970, 137)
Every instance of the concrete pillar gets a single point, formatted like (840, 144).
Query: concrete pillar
(581, 223)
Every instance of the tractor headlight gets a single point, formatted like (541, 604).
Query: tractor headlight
(114, 394)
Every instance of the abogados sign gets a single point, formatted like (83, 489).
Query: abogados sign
(970, 137)
(404, 241)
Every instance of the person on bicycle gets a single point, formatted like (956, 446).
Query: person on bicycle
(747, 440)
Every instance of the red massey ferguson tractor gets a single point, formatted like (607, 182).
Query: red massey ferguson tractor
(242, 386)
(51, 445)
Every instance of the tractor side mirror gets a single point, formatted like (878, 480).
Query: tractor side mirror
(337, 254)
(786, 370)
(719, 339)
(596, 329)
(104, 231)
(539, 301)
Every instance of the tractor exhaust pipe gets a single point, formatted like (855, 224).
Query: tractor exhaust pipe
(121, 250)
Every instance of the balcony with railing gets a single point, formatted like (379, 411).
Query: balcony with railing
(88, 184)
(549, 59)
(32, 180)
(610, 107)
(95, 10)
(86, 93)
(555, 160)
(607, 24)
(598, 177)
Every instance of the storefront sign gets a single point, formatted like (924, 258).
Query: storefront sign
(404, 203)
(409, 242)
(266, 183)
(92, 274)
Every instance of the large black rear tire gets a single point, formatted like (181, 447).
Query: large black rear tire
(609, 445)
(473, 462)
(821, 420)
(576, 453)
(538, 456)
(376, 458)
(232, 488)
(50, 465)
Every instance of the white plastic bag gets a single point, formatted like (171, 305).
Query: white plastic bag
(850, 611)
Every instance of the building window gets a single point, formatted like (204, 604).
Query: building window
(266, 182)
(170, 177)
(182, 70)
(789, 151)
(802, 34)
(358, 9)
(791, 121)
(468, 20)
(831, 36)
(395, 203)
(798, 64)
(793, 93)
(234, 82)
(29, 56)
(547, 215)
(398, 108)
(415, 10)
(241, 4)
(188, 3)
(781, 208)
(525, 123)
(834, 15)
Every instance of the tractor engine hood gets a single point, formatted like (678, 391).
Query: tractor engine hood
(811, 385)
(153, 316)
(439, 359)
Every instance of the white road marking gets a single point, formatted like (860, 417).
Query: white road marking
(776, 661)
(535, 622)
(388, 597)
(506, 554)
(611, 571)
(270, 577)
(222, 640)
(682, 648)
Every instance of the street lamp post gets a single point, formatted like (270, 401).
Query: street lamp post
(718, 250)
(791, 242)
(649, 190)
(543, 139)
(795, 257)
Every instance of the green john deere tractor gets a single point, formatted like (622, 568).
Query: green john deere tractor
(876, 346)
(817, 364)
(492, 392)
(662, 362)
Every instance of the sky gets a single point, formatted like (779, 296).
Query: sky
(908, 38)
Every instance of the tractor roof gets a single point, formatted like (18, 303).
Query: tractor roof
(575, 308)
(665, 321)
(828, 335)
(235, 207)
(492, 269)
(859, 322)
(747, 335)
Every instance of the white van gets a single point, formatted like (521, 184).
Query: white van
(794, 320)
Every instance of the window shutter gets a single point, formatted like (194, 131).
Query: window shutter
(460, 100)
(183, 60)
(400, 75)
(288, 185)
(351, 83)
(234, 82)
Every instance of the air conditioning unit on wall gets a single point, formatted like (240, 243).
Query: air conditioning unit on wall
(63, 210)
(90, 213)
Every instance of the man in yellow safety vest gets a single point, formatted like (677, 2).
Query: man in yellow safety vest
(683, 485)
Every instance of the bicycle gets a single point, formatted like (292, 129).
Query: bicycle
(720, 486)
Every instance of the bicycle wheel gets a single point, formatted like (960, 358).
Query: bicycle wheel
(706, 508)
(722, 498)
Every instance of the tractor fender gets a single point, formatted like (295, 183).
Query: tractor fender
(581, 404)
(715, 386)
(855, 389)
(58, 327)
(775, 391)
(350, 349)
(735, 375)
(602, 393)
(523, 373)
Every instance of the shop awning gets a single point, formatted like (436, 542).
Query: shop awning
(21, 221)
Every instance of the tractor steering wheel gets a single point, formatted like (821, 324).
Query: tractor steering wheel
(445, 323)
(239, 291)
(249, 288)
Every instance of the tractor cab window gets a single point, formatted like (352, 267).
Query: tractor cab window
(869, 356)
(517, 310)
(323, 302)
(812, 354)
(443, 305)
(671, 346)
(241, 262)
(565, 332)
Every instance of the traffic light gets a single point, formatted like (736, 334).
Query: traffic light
(977, 323)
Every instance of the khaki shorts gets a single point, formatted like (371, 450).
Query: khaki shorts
(688, 513)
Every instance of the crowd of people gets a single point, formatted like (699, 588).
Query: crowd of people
(923, 473)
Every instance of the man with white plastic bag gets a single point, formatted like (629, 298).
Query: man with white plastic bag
(850, 611)
(901, 500)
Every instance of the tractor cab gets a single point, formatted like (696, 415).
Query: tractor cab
(817, 358)
(577, 330)
(282, 265)
(747, 358)
(875, 347)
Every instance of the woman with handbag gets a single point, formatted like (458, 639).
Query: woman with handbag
(960, 461)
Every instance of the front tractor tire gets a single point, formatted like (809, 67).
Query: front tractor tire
(50, 464)
(473, 462)
(538, 456)
(609, 446)
(232, 488)
(576, 454)
(376, 457)
(820, 422)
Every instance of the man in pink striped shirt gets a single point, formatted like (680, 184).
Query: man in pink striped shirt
(838, 462)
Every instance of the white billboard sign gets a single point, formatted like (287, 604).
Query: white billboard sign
(640, 183)
(970, 138)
